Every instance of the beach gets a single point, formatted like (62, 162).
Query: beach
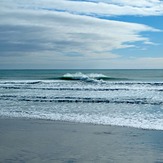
(81, 81)
(32, 140)
(92, 116)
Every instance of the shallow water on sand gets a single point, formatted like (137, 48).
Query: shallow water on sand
(43, 141)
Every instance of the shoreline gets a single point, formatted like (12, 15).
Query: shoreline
(80, 123)
(35, 140)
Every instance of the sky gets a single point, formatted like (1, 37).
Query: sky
(81, 34)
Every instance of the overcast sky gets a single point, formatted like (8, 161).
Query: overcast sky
(81, 34)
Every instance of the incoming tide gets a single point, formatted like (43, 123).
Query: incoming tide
(132, 98)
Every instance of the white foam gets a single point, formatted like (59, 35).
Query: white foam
(118, 115)
(142, 123)
(26, 102)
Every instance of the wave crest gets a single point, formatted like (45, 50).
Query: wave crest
(84, 77)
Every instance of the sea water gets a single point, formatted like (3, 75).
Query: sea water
(132, 98)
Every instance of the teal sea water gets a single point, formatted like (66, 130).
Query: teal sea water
(132, 98)
(115, 74)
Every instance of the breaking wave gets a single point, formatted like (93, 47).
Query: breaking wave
(88, 77)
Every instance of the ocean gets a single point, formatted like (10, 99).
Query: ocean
(131, 98)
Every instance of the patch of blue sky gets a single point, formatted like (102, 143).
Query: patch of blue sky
(154, 37)
(152, 48)
(144, 50)
(140, 50)
(153, 21)
(155, 48)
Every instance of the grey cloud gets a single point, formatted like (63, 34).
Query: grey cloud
(20, 38)
(37, 31)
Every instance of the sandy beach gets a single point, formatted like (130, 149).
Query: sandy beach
(30, 141)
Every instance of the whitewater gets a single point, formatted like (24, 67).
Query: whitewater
(79, 97)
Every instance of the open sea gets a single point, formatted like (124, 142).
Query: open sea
(132, 98)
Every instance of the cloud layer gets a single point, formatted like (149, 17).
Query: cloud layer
(62, 30)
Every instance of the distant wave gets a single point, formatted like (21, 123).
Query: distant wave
(88, 77)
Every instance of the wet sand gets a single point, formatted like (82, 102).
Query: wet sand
(42, 141)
